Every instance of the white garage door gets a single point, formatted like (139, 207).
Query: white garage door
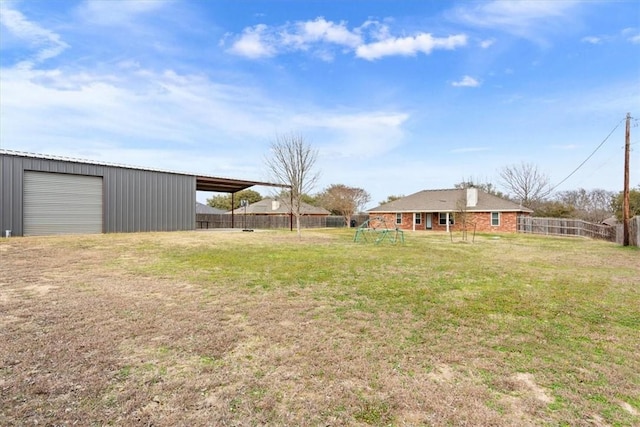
(56, 203)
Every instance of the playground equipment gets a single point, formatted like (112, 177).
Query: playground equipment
(377, 230)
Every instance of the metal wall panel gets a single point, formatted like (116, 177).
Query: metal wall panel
(58, 203)
(138, 200)
(10, 197)
(133, 199)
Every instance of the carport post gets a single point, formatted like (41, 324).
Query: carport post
(232, 216)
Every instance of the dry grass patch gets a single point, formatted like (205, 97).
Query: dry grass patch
(210, 328)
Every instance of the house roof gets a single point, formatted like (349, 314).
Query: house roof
(201, 208)
(270, 206)
(449, 200)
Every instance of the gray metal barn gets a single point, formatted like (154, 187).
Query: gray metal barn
(42, 195)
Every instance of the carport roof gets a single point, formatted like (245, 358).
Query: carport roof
(228, 185)
(203, 182)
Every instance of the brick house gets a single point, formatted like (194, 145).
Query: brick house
(444, 210)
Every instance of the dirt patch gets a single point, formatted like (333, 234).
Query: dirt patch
(40, 290)
(526, 383)
(630, 409)
(442, 373)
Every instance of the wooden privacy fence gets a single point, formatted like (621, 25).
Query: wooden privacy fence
(565, 227)
(634, 232)
(273, 221)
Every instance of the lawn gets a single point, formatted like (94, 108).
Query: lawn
(240, 329)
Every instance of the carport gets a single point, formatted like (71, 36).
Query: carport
(228, 185)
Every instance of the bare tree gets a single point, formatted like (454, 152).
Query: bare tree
(589, 205)
(292, 163)
(461, 214)
(344, 201)
(464, 202)
(526, 183)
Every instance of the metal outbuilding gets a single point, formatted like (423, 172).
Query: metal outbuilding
(43, 194)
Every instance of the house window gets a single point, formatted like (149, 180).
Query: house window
(495, 219)
(398, 218)
(443, 219)
(418, 218)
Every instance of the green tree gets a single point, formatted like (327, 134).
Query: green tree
(343, 200)
(304, 198)
(634, 203)
(391, 198)
(485, 186)
(223, 201)
(554, 209)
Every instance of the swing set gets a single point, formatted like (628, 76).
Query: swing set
(377, 230)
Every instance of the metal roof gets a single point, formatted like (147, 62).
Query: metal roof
(203, 182)
(228, 185)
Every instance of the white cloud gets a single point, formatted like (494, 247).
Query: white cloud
(487, 43)
(322, 30)
(592, 40)
(109, 13)
(631, 34)
(253, 44)
(375, 30)
(360, 135)
(320, 37)
(526, 18)
(508, 14)
(466, 81)
(263, 41)
(47, 43)
(409, 46)
(156, 109)
(628, 34)
(175, 121)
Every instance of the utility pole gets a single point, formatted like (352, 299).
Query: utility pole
(625, 192)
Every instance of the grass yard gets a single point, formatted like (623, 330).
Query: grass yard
(242, 329)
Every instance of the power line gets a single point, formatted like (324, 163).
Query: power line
(590, 155)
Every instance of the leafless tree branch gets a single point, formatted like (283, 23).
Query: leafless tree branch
(526, 183)
(292, 163)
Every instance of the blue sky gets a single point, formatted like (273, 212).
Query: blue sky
(396, 96)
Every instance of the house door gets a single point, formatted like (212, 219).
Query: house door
(428, 225)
